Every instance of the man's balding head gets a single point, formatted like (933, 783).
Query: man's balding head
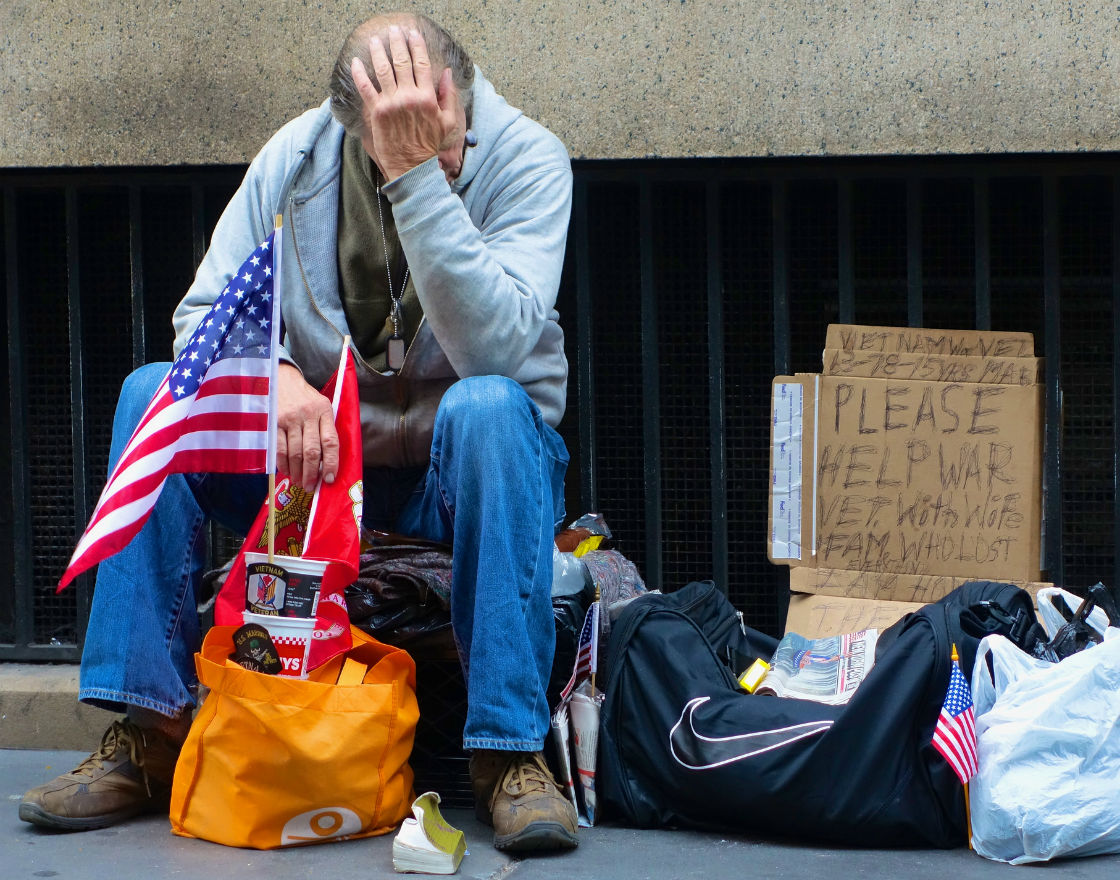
(346, 103)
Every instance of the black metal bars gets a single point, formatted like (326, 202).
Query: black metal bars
(733, 457)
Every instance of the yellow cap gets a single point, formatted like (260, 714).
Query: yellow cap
(754, 675)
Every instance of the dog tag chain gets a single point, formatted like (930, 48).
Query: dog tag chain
(394, 351)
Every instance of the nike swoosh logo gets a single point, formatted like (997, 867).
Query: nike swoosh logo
(694, 751)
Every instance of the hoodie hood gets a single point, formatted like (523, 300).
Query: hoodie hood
(491, 116)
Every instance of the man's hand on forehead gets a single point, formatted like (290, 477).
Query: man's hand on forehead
(408, 121)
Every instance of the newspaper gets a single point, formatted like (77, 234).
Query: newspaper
(584, 708)
(826, 670)
(562, 742)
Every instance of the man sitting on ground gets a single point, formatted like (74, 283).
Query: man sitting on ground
(426, 218)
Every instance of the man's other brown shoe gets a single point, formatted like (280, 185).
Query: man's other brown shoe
(130, 773)
(515, 792)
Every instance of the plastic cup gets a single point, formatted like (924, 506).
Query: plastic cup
(291, 635)
(287, 586)
(305, 577)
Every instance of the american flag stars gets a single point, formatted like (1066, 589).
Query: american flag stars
(209, 415)
(235, 327)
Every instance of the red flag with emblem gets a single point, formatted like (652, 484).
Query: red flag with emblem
(334, 536)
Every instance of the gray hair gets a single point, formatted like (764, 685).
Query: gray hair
(346, 102)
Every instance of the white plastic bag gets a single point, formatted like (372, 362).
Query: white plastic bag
(1048, 742)
(569, 574)
(1050, 601)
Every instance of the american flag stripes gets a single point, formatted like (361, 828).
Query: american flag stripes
(210, 413)
(587, 653)
(955, 734)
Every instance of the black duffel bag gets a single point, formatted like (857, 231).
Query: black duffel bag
(681, 745)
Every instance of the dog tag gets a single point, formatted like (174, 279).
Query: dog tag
(394, 354)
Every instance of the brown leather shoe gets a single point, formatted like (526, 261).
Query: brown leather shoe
(515, 792)
(130, 773)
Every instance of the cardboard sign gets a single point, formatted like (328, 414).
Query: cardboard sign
(908, 477)
(911, 464)
(933, 367)
(920, 340)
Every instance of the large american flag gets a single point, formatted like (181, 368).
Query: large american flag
(210, 413)
(587, 653)
(955, 734)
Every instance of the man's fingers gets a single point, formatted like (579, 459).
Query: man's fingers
(292, 440)
(421, 64)
(402, 60)
(328, 441)
(382, 69)
(446, 93)
(305, 423)
(363, 83)
(312, 454)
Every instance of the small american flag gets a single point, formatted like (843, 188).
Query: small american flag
(210, 413)
(587, 653)
(955, 734)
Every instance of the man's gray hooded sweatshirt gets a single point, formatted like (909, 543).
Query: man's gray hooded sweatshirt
(485, 253)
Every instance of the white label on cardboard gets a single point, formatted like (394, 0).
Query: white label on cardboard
(785, 478)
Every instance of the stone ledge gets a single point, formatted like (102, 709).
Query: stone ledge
(39, 709)
(209, 82)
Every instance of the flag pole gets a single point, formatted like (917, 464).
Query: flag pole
(334, 409)
(968, 806)
(273, 378)
(967, 801)
(594, 642)
(968, 815)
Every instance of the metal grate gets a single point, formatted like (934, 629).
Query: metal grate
(107, 322)
(748, 318)
(49, 418)
(948, 267)
(616, 352)
(8, 578)
(1016, 248)
(814, 269)
(879, 251)
(167, 232)
(680, 273)
(1088, 349)
(438, 759)
(688, 286)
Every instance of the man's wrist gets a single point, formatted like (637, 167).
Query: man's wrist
(393, 170)
(422, 177)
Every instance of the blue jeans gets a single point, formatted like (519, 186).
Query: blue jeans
(493, 490)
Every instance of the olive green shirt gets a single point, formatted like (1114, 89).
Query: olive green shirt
(363, 281)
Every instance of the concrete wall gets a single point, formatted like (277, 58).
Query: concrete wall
(96, 82)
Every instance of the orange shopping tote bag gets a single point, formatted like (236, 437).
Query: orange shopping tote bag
(273, 761)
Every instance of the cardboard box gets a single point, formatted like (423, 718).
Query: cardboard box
(828, 602)
(914, 461)
(819, 616)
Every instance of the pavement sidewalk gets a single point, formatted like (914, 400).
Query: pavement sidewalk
(145, 848)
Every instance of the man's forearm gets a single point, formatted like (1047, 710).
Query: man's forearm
(488, 292)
